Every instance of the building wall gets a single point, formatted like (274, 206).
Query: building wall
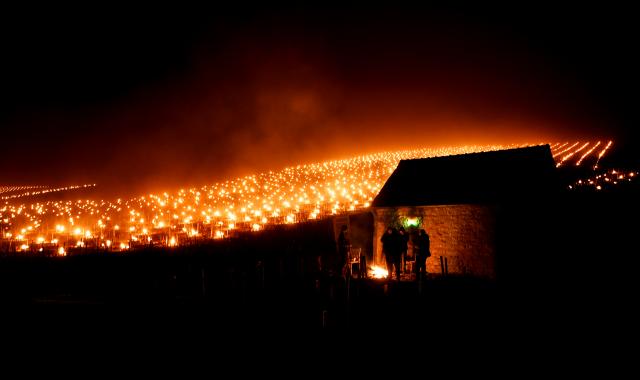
(464, 234)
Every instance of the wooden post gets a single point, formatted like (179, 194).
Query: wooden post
(363, 267)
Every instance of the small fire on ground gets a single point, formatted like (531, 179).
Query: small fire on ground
(378, 272)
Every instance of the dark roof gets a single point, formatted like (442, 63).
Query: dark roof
(488, 177)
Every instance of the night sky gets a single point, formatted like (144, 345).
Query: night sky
(139, 99)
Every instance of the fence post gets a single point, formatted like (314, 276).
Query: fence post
(363, 266)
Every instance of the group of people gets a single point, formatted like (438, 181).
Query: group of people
(395, 244)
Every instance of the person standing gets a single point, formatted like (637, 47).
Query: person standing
(390, 248)
(403, 242)
(423, 245)
(344, 247)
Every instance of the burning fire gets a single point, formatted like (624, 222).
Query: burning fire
(35, 190)
(378, 272)
(291, 195)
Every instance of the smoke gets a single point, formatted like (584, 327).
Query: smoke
(277, 92)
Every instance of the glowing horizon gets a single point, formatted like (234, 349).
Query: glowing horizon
(291, 195)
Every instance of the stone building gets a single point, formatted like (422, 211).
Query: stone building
(467, 204)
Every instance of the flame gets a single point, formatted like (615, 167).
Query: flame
(292, 195)
(378, 272)
(588, 153)
(30, 193)
(602, 153)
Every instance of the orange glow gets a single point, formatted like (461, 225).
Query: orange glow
(31, 193)
(378, 272)
(602, 153)
(570, 154)
(587, 154)
(560, 152)
(251, 203)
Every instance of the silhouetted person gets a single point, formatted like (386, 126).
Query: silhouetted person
(422, 247)
(403, 242)
(391, 249)
(343, 250)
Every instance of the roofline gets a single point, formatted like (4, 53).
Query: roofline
(477, 153)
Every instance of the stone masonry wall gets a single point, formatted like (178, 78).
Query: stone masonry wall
(464, 234)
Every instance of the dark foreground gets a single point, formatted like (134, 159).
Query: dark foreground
(237, 290)
(194, 293)
(568, 273)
